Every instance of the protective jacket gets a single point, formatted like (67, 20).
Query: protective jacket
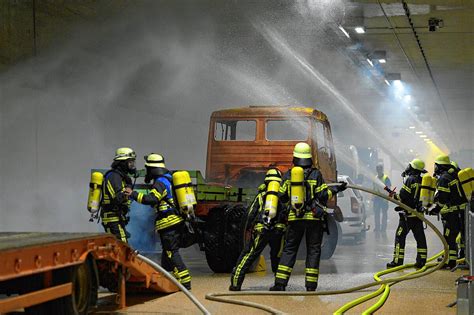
(448, 195)
(410, 193)
(316, 191)
(257, 213)
(115, 204)
(161, 198)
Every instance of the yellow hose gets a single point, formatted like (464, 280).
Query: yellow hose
(218, 296)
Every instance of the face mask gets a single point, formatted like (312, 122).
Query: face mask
(131, 166)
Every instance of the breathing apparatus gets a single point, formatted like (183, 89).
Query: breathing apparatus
(272, 181)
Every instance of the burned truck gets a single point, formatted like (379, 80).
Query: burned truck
(242, 144)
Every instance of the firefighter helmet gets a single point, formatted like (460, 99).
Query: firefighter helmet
(154, 160)
(442, 160)
(418, 165)
(123, 154)
(273, 174)
(302, 155)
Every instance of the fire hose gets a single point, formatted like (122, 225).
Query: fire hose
(219, 296)
(176, 282)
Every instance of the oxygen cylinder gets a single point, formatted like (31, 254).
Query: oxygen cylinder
(95, 192)
(184, 191)
(271, 199)
(297, 190)
(466, 178)
(428, 187)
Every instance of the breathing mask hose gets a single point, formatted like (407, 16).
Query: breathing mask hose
(218, 297)
(176, 282)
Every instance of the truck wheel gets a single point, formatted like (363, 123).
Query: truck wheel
(79, 301)
(82, 296)
(330, 241)
(223, 237)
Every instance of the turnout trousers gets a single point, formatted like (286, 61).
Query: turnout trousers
(114, 224)
(253, 250)
(452, 227)
(314, 236)
(170, 258)
(405, 225)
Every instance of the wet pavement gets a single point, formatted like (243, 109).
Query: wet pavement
(352, 264)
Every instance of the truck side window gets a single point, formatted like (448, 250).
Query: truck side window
(291, 130)
(237, 130)
(323, 141)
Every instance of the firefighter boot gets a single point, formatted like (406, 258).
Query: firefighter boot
(278, 287)
(393, 264)
(234, 288)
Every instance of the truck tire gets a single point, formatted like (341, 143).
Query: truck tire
(83, 295)
(330, 241)
(223, 237)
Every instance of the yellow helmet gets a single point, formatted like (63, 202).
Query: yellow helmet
(154, 160)
(442, 160)
(302, 155)
(418, 165)
(123, 154)
(273, 174)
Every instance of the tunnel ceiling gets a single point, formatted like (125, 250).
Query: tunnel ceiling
(442, 103)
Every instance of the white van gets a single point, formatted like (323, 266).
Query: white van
(352, 206)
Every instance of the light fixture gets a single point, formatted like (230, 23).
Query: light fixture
(344, 31)
(379, 55)
(359, 30)
(370, 62)
(427, 139)
(411, 127)
(423, 136)
(418, 132)
(386, 82)
(393, 76)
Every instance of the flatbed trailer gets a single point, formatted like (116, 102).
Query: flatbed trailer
(60, 273)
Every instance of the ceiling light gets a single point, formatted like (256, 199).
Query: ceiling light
(370, 62)
(386, 82)
(423, 136)
(419, 132)
(411, 127)
(359, 30)
(427, 139)
(344, 31)
(382, 61)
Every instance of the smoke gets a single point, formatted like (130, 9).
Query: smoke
(149, 78)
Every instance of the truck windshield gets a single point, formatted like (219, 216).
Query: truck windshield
(237, 130)
(292, 130)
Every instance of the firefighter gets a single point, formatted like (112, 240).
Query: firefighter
(410, 195)
(265, 232)
(168, 223)
(380, 205)
(117, 186)
(462, 217)
(307, 215)
(450, 203)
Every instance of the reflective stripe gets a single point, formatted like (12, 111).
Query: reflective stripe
(111, 189)
(168, 221)
(311, 279)
(235, 279)
(140, 197)
(320, 188)
(282, 276)
(444, 189)
(312, 270)
(406, 188)
(284, 268)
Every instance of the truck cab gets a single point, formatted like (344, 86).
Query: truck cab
(244, 142)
